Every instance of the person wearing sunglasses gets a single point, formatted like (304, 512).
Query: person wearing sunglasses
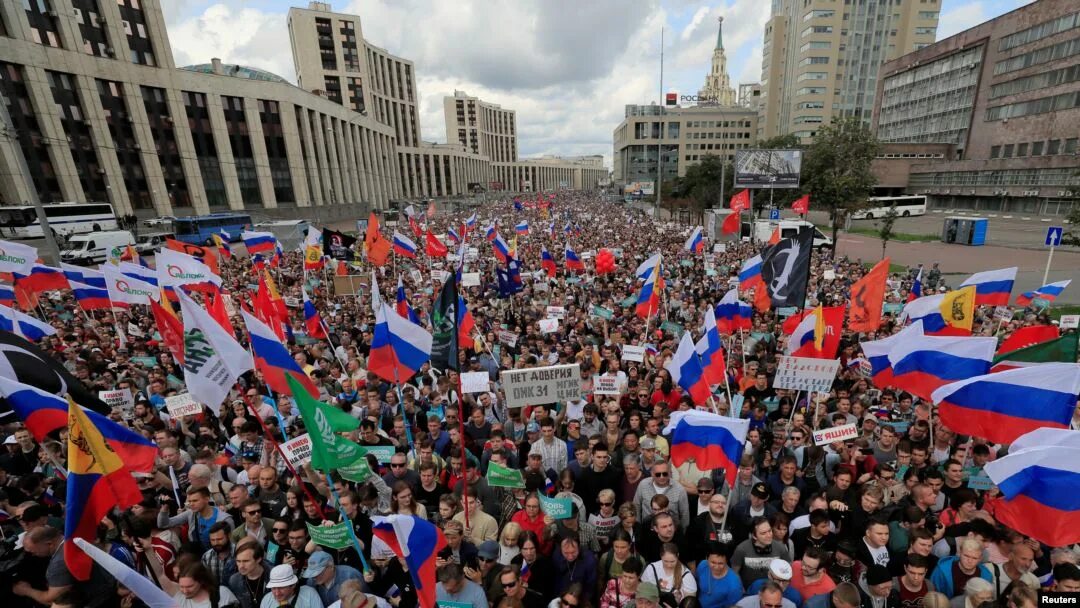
(254, 524)
(513, 587)
(660, 483)
(573, 597)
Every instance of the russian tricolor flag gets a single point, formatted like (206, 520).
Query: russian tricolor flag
(1004, 405)
(93, 278)
(403, 307)
(686, 371)
(90, 298)
(469, 223)
(750, 273)
(42, 278)
(710, 349)
(7, 295)
(808, 336)
(24, 325)
(547, 262)
(648, 302)
(489, 233)
(399, 348)
(273, 360)
(522, 227)
(500, 248)
(312, 319)
(916, 288)
(1039, 485)
(453, 235)
(928, 309)
(696, 243)
(1046, 292)
(573, 262)
(877, 353)
(712, 440)
(647, 266)
(403, 245)
(921, 364)
(259, 242)
(992, 287)
(418, 542)
(732, 315)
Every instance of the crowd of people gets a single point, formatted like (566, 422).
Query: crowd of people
(884, 520)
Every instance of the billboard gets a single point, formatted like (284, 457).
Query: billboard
(767, 168)
(643, 188)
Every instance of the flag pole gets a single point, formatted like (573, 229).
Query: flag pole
(348, 522)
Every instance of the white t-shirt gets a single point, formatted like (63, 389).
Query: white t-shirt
(226, 598)
(654, 573)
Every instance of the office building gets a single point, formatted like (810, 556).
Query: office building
(483, 128)
(821, 58)
(1004, 97)
(94, 105)
(687, 135)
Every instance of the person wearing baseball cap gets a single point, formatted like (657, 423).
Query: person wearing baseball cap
(326, 577)
(286, 590)
(744, 512)
(779, 573)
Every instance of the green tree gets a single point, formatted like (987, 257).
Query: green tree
(701, 183)
(836, 170)
(780, 142)
(885, 228)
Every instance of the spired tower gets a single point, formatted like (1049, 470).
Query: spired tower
(717, 83)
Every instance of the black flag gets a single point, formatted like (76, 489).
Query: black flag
(26, 363)
(338, 245)
(444, 342)
(785, 268)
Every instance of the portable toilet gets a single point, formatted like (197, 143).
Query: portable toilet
(965, 230)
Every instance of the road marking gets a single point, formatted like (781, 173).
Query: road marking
(1025, 218)
(1045, 220)
(935, 211)
(992, 215)
(1006, 217)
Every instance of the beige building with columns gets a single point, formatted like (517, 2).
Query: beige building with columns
(99, 112)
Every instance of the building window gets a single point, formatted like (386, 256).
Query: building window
(1007, 151)
(1067, 48)
(1053, 147)
(995, 151)
(1021, 150)
(1070, 145)
(1037, 148)
(817, 29)
(139, 44)
(35, 147)
(42, 18)
(1040, 31)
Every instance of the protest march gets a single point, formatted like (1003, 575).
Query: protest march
(546, 400)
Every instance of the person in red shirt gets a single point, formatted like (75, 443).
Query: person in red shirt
(808, 574)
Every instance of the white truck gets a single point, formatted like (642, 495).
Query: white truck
(764, 229)
(96, 246)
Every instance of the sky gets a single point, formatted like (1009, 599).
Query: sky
(567, 67)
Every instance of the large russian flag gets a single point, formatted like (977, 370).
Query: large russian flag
(93, 278)
(992, 287)
(1039, 485)
(418, 541)
(42, 278)
(648, 301)
(750, 273)
(1004, 405)
(647, 266)
(522, 227)
(45, 412)
(877, 353)
(272, 359)
(921, 364)
(24, 325)
(403, 245)
(931, 310)
(547, 262)
(90, 298)
(573, 262)
(500, 248)
(259, 242)
(686, 371)
(1048, 292)
(402, 303)
(732, 315)
(712, 440)
(399, 348)
(695, 244)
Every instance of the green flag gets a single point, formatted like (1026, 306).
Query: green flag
(502, 477)
(328, 449)
(358, 471)
(331, 537)
(1061, 350)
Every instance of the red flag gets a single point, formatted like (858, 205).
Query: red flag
(215, 305)
(867, 298)
(1028, 336)
(775, 238)
(342, 269)
(169, 326)
(415, 227)
(264, 310)
(833, 320)
(793, 321)
(801, 205)
(731, 223)
(740, 202)
(434, 247)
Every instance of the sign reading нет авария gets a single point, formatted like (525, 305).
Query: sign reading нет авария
(540, 385)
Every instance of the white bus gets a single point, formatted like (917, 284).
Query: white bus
(65, 219)
(906, 206)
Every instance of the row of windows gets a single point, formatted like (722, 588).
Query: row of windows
(814, 61)
(815, 45)
(812, 76)
(817, 29)
(818, 15)
(1046, 54)
(1007, 177)
(1040, 31)
(1055, 103)
(1038, 148)
(1036, 81)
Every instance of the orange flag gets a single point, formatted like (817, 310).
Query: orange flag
(376, 246)
(868, 298)
(775, 238)
(169, 326)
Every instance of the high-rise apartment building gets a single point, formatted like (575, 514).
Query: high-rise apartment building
(821, 58)
(482, 127)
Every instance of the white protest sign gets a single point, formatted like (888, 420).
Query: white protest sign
(470, 279)
(121, 398)
(837, 433)
(606, 385)
(135, 331)
(633, 353)
(416, 277)
(182, 405)
(439, 276)
(297, 450)
(719, 247)
(556, 312)
(829, 275)
(541, 286)
(507, 337)
(1069, 321)
(230, 308)
(541, 385)
(292, 302)
(1003, 313)
(548, 326)
(806, 373)
(475, 382)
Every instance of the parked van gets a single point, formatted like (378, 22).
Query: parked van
(96, 247)
(763, 231)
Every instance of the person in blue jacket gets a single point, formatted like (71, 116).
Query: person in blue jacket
(718, 585)
(953, 572)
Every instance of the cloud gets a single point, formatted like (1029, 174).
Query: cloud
(244, 36)
(965, 15)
